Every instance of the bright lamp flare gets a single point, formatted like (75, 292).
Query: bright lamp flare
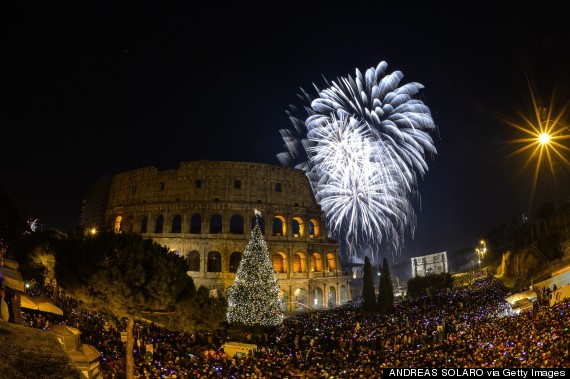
(544, 133)
(362, 142)
(544, 138)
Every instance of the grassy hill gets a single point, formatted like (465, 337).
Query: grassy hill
(32, 353)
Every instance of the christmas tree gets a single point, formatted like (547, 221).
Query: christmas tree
(253, 299)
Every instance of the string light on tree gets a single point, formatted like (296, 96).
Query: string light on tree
(253, 299)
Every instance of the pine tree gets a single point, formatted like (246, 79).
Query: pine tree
(123, 273)
(253, 299)
(368, 293)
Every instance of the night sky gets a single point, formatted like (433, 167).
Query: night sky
(103, 90)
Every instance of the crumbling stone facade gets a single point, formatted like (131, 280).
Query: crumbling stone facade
(204, 211)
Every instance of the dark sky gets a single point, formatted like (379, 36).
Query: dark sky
(99, 90)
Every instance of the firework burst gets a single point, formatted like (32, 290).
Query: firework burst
(363, 143)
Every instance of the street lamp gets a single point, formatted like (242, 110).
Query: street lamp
(481, 251)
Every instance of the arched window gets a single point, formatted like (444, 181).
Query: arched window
(214, 261)
(279, 226)
(332, 297)
(159, 224)
(236, 224)
(300, 299)
(299, 263)
(280, 263)
(176, 224)
(215, 224)
(318, 298)
(331, 262)
(261, 221)
(193, 260)
(235, 259)
(196, 224)
(118, 224)
(316, 262)
(297, 227)
(144, 224)
(343, 294)
(314, 229)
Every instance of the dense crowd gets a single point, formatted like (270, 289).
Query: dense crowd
(467, 328)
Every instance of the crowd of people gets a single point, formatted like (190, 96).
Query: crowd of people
(470, 327)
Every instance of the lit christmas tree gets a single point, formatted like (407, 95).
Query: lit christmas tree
(253, 299)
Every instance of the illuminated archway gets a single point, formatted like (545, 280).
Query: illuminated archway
(118, 224)
(314, 228)
(297, 227)
(332, 297)
(300, 296)
(280, 263)
(316, 262)
(343, 294)
(299, 263)
(331, 262)
(318, 298)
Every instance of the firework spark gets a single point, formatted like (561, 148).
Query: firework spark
(365, 140)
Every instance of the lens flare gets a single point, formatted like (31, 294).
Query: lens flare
(543, 136)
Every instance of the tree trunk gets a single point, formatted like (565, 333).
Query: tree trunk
(56, 290)
(129, 348)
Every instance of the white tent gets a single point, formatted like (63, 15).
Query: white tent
(42, 304)
(530, 294)
(12, 278)
(28, 303)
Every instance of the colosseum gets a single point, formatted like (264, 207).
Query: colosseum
(204, 211)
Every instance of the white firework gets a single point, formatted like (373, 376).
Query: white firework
(390, 111)
(356, 184)
(366, 141)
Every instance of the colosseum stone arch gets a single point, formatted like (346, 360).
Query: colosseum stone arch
(204, 211)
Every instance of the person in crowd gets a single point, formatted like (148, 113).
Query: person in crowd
(470, 327)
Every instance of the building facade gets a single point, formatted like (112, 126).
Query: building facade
(204, 211)
(430, 264)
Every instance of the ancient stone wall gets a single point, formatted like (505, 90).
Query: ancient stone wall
(204, 211)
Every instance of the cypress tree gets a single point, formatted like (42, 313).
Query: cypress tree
(368, 293)
(386, 270)
(385, 288)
